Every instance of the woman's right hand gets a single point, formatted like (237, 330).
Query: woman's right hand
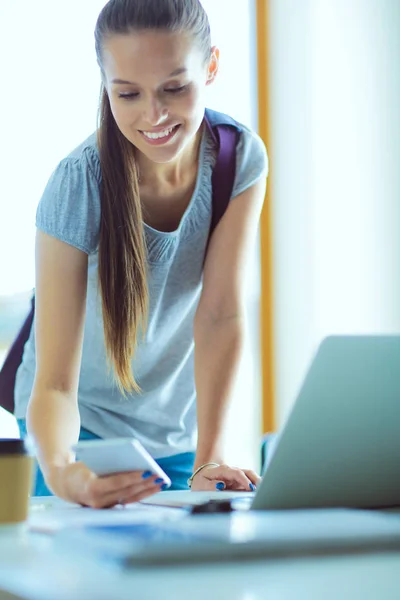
(76, 483)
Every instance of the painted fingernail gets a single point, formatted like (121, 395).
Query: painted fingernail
(220, 485)
(159, 480)
(164, 487)
(252, 487)
(147, 474)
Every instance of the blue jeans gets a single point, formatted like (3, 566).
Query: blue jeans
(178, 467)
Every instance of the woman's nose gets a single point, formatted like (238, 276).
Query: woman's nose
(155, 112)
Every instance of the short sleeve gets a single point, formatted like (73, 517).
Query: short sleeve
(69, 209)
(251, 161)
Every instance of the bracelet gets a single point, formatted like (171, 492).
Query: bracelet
(209, 464)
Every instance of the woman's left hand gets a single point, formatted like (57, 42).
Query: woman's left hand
(225, 478)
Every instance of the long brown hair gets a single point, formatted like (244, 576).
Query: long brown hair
(122, 246)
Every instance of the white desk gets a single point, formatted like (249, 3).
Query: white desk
(31, 568)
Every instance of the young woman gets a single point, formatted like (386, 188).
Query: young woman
(137, 332)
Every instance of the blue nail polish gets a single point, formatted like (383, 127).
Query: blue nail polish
(147, 474)
(164, 487)
(220, 486)
(159, 480)
(252, 487)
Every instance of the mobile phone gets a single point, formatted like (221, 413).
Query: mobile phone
(119, 455)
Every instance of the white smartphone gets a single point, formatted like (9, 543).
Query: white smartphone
(106, 457)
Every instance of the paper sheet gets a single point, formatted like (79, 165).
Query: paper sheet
(48, 515)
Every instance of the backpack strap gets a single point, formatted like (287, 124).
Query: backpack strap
(225, 132)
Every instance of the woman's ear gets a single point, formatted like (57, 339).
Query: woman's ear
(212, 69)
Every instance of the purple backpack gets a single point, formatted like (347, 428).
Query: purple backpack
(225, 132)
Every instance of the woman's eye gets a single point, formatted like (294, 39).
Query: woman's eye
(128, 96)
(176, 90)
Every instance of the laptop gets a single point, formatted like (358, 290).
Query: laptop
(340, 446)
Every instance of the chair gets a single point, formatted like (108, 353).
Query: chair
(268, 442)
(13, 359)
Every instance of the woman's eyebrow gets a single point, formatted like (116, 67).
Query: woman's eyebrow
(173, 74)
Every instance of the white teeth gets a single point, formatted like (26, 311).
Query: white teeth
(160, 134)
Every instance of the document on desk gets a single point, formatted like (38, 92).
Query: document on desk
(237, 535)
(50, 515)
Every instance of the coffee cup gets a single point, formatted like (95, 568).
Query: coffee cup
(16, 473)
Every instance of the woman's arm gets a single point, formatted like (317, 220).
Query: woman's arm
(218, 327)
(53, 416)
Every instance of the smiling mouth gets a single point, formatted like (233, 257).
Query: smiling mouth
(159, 137)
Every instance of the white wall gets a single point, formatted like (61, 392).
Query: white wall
(336, 154)
(49, 93)
(235, 93)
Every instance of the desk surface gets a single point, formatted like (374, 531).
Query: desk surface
(31, 568)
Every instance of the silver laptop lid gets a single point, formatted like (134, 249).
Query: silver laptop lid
(341, 443)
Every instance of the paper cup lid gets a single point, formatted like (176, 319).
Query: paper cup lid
(14, 446)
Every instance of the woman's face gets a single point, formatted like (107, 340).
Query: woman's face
(156, 82)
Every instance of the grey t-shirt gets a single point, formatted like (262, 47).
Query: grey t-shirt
(163, 416)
